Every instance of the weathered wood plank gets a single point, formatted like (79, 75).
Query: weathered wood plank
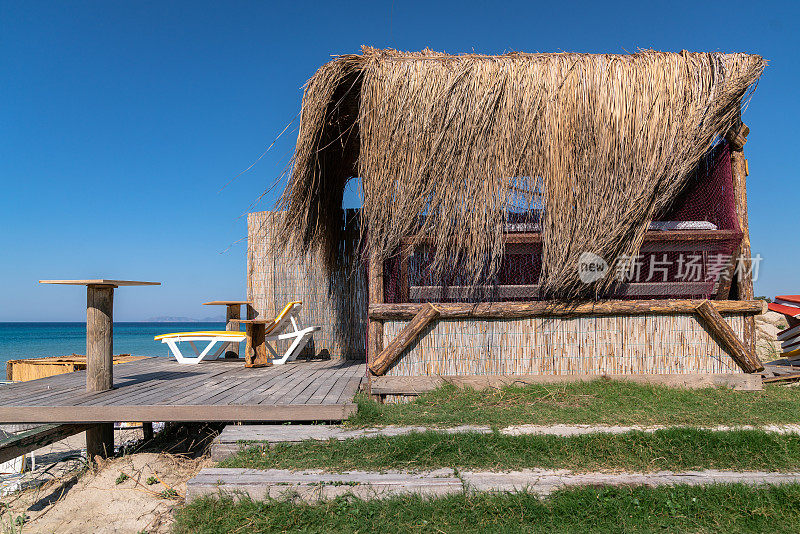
(30, 440)
(165, 389)
(337, 390)
(304, 390)
(270, 386)
(100, 414)
(312, 486)
(274, 395)
(349, 392)
(282, 373)
(322, 389)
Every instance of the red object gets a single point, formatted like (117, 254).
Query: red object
(786, 310)
(789, 298)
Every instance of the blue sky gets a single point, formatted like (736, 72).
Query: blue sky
(120, 123)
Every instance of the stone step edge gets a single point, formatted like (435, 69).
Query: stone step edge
(228, 442)
(314, 485)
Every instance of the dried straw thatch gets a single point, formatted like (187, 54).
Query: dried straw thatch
(607, 140)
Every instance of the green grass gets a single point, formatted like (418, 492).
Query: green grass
(598, 402)
(711, 509)
(672, 449)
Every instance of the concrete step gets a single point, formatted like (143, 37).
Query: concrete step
(318, 485)
(545, 482)
(230, 440)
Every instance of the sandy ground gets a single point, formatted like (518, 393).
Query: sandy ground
(59, 459)
(65, 496)
(95, 502)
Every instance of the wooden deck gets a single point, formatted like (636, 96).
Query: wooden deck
(159, 389)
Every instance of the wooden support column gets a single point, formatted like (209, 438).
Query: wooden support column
(234, 311)
(737, 138)
(147, 431)
(376, 296)
(100, 361)
(99, 337)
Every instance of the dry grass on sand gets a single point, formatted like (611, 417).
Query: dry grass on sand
(102, 500)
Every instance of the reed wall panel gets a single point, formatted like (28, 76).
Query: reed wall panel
(641, 344)
(337, 302)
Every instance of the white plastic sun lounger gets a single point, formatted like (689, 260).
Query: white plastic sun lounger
(225, 338)
(286, 326)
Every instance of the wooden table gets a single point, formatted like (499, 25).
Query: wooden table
(233, 312)
(100, 350)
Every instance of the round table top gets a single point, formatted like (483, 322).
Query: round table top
(100, 282)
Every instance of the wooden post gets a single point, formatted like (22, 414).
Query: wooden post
(405, 252)
(99, 337)
(100, 441)
(234, 311)
(376, 296)
(147, 431)
(737, 138)
(742, 355)
(256, 349)
(99, 361)
(390, 354)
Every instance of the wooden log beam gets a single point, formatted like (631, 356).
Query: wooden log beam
(36, 438)
(651, 236)
(391, 353)
(521, 310)
(742, 355)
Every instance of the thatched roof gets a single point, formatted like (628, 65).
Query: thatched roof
(608, 140)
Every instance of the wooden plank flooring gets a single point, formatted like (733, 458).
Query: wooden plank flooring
(159, 389)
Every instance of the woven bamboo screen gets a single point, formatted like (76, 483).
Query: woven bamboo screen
(641, 344)
(336, 302)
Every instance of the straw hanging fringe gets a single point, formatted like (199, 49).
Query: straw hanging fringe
(447, 145)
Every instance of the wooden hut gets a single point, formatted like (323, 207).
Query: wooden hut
(525, 216)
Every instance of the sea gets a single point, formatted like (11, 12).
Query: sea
(35, 340)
